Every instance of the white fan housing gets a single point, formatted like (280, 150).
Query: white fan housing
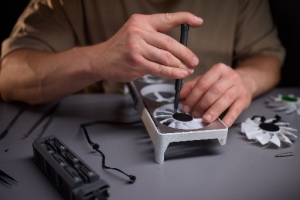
(285, 103)
(268, 132)
(177, 119)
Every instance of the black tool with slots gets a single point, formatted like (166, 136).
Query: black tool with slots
(68, 173)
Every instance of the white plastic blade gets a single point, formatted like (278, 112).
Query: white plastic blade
(263, 138)
(275, 140)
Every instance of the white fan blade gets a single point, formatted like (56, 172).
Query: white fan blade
(164, 112)
(288, 133)
(165, 120)
(248, 127)
(275, 104)
(275, 140)
(263, 138)
(282, 123)
(251, 122)
(162, 116)
(251, 134)
(283, 138)
(288, 128)
(290, 109)
(277, 99)
(269, 120)
(281, 108)
(158, 96)
(198, 120)
(181, 126)
(172, 124)
(193, 125)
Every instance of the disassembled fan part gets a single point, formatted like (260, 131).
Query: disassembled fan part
(286, 103)
(159, 92)
(268, 131)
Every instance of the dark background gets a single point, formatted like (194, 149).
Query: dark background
(286, 15)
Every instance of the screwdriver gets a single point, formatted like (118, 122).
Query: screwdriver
(178, 82)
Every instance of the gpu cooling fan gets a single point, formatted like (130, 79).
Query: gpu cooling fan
(268, 130)
(177, 119)
(154, 98)
(287, 104)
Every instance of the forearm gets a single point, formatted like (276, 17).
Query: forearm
(137, 49)
(37, 77)
(260, 73)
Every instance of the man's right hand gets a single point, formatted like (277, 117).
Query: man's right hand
(141, 48)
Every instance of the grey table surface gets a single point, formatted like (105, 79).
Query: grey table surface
(241, 169)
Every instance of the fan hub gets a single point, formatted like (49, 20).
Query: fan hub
(183, 117)
(269, 127)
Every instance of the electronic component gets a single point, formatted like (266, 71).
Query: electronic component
(153, 98)
(68, 173)
(265, 131)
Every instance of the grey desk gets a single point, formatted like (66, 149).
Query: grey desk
(204, 170)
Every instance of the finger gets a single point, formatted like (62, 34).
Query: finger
(185, 55)
(163, 71)
(201, 87)
(167, 21)
(216, 109)
(187, 87)
(163, 57)
(215, 92)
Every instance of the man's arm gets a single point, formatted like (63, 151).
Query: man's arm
(261, 73)
(137, 49)
(37, 77)
(223, 88)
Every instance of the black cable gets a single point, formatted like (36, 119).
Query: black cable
(96, 146)
(5, 131)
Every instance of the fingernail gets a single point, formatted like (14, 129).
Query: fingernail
(184, 72)
(186, 108)
(195, 61)
(199, 19)
(190, 71)
(207, 117)
(195, 114)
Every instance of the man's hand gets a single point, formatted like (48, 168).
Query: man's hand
(137, 49)
(140, 47)
(219, 89)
